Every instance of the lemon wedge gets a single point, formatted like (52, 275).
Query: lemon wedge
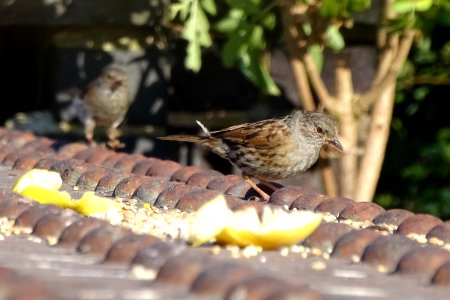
(209, 220)
(92, 205)
(44, 195)
(276, 228)
(43, 186)
(38, 177)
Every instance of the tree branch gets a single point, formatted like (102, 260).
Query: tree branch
(296, 41)
(396, 61)
(372, 161)
(348, 126)
(319, 86)
(298, 69)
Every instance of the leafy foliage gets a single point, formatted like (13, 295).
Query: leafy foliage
(245, 27)
(418, 154)
(196, 27)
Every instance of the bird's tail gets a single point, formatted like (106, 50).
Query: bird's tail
(185, 138)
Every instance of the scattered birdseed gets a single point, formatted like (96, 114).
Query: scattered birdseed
(51, 241)
(284, 251)
(420, 238)
(250, 251)
(141, 272)
(21, 230)
(357, 224)
(318, 265)
(316, 251)
(436, 241)
(327, 217)
(215, 250)
(164, 223)
(234, 251)
(6, 226)
(382, 268)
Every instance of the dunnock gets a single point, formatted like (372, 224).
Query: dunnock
(104, 102)
(270, 149)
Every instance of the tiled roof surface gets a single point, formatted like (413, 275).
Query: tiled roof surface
(365, 252)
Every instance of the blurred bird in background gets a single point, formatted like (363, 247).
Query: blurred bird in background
(104, 102)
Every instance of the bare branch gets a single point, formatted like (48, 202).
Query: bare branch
(302, 85)
(394, 52)
(395, 62)
(319, 86)
(348, 126)
(298, 69)
(372, 161)
(328, 177)
(296, 42)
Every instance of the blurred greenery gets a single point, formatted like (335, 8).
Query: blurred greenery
(416, 171)
(249, 28)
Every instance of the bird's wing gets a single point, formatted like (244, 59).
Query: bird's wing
(262, 135)
(79, 108)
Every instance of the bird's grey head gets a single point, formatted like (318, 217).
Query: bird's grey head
(320, 128)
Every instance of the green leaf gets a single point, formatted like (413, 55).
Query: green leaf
(334, 38)
(307, 29)
(231, 21)
(193, 60)
(269, 20)
(250, 7)
(317, 56)
(423, 5)
(209, 6)
(196, 33)
(236, 44)
(257, 72)
(358, 5)
(408, 6)
(181, 8)
(256, 40)
(330, 9)
(197, 27)
(445, 52)
(421, 92)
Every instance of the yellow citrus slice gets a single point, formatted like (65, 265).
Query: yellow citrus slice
(38, 177)
(47, 196)
(43, 185)
(209, 220)
(276, 228)
(92, 205)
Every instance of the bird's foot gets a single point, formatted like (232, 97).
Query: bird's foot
(263, 194)
(91, 142)
(115, 144)
(268, 184)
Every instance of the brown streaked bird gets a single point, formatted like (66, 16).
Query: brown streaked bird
(104, 102)
(270, 149)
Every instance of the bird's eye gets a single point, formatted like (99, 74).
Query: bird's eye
(319, 130)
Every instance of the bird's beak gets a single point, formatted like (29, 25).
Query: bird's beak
(335, 143)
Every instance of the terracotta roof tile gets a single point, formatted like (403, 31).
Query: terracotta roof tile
(386, 254)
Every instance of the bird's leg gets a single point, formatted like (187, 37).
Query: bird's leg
(89, 126)
(256, 188)
(113, 141)
(268, 184)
